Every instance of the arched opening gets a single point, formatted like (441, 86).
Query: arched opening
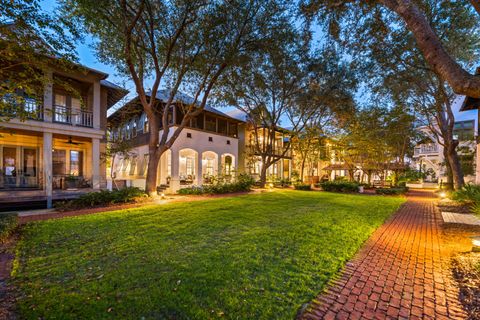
(209, 166)
(187, 166)
(228, 166)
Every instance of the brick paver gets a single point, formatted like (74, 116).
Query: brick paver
(402, 272)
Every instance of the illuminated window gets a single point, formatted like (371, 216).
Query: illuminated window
(76, 163)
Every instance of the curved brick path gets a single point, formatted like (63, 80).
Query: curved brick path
(401, 272)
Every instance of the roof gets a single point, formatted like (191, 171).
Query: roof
(471, 103)
(114, 93)
(339, 166)
(180, 97)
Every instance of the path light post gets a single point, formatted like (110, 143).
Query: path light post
(476, 244)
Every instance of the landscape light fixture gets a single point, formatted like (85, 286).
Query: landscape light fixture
(476, 243)
(271, 185)
(443, 194)
(163, 195)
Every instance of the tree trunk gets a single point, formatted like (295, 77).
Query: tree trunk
(455, 166)
(152, 171)
(302, 169)
(263, 175)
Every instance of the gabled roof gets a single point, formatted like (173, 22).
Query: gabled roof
(164, 94)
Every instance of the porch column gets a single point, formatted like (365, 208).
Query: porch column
(48, 100)
(96, 104)
(199, 169)
(219, 164)
(47, 167)
(477, 167)
(175, 167)
(95, 163)
(477, 155)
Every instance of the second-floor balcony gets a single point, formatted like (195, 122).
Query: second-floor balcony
(81, 118)
(426, 149)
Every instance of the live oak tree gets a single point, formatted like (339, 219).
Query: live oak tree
(330, 94)
(186, 45)
(400, 71)
(376, 140)
(377, 17)
(31, 42)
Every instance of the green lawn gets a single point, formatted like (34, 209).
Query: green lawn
(248, 257)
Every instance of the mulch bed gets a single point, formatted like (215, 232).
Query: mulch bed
(466, 269)
(453, 206)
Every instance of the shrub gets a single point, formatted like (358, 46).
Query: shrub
(339, 186)
(103, 198)
(469, 193)
(301, 186)
(8, 223)
(244, 182)
(391, 191)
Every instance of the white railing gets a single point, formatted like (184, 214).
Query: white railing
(79, 118)
(84, 119)
(426, 149)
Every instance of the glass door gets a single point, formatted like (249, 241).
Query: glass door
(29, 178)
(9, 167)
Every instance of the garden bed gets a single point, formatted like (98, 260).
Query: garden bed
(466, 269)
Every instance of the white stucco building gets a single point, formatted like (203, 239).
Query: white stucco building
(206, 149)
(428, 155)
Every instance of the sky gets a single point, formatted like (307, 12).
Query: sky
(86, 56)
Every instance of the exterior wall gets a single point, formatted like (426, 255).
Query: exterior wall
(45, 135)
(198, 145)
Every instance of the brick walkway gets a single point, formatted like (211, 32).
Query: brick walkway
(402, 272)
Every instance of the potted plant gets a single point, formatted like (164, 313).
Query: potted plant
(70, 182)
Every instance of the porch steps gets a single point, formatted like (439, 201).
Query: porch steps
(161, 188)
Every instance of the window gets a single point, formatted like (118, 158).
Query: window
(189, 135)
(228, 141)
(210, 124)
(76, 163)
(209, 167)
(232, 129)
(222, 126)
(464, 130)
(32, 108)
(30, 162)
(134, 127)
(228, 165)
(133, 166)
(143, 169)
(10, 162)
(127, 131)
(190, 166)
(146, 127)
(197, 122)
(59, 159)
(61, 111)
(210, 139)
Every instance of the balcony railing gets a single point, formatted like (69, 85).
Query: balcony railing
(62, 114)
(80, 118)
(84, 119)
(426, 149)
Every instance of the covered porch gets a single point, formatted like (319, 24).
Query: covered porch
(46, 166)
